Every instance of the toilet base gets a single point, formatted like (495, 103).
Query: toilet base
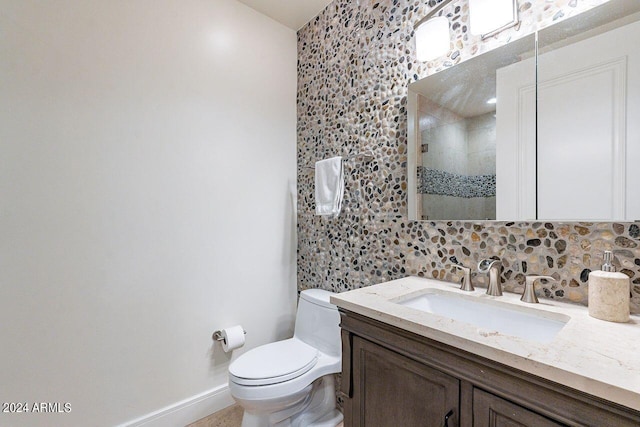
(317, 409)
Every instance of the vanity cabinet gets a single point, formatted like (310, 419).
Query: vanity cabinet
(392, 377)
(394, 390)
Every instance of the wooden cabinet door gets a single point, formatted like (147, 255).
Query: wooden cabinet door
(390, 390)
(492, 411)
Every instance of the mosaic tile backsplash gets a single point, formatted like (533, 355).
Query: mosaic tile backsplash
(355, 61)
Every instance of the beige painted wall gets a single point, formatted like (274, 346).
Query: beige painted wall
(147, 160)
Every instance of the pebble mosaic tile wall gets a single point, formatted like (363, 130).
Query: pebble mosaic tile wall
(431, 181)
(355, 61)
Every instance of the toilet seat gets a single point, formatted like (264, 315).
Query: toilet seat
(273, 363)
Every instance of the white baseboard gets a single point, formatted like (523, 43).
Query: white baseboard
(186, 411)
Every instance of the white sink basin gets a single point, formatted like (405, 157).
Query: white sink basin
(489, 316)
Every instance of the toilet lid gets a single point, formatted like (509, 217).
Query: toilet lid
(273, 363)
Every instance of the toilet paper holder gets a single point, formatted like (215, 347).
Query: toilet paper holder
(217, 335)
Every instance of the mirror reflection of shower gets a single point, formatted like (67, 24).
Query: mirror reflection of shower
(457, 178)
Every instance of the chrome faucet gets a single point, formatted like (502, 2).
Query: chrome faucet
(529, 294)
(466, 284)
(492, 266)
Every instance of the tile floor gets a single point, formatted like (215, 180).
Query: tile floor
(228, 417)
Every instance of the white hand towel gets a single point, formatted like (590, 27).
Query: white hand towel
(329, 186)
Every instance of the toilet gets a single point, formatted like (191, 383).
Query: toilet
(290, 383)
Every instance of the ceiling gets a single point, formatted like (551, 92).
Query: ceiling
(466, 88)
(291, 13)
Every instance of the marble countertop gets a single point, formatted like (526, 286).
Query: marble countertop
(597, 357)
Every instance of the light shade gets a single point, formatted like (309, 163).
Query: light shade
(432, 39)
(488, 16)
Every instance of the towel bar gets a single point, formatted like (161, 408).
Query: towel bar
(366, 156)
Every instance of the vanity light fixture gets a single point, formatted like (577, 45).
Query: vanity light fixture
(432, 35)
(488, 17)
(432, 39)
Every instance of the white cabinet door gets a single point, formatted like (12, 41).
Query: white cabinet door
(582, 116)
(588, 132)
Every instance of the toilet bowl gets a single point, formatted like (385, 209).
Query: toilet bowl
(290, 383)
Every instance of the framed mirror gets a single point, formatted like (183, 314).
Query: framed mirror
(571, 157)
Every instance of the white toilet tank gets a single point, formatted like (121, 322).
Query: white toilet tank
(318, 322)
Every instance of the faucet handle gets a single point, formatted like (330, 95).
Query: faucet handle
(466, 284)
(529, 294)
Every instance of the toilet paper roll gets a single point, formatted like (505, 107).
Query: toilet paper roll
(233, 338)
